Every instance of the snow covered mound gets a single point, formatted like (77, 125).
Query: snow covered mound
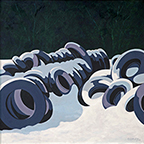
(73, 123)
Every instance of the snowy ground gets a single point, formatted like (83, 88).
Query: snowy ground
(73, 123)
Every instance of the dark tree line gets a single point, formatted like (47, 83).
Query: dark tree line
(116, 26)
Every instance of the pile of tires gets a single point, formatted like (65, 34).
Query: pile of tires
(25, 99)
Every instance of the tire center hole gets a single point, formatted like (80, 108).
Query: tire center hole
(63, 82)
(27, 99)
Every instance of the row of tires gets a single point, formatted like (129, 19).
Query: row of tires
(32, 76)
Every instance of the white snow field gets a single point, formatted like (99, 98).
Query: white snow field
(74, 123)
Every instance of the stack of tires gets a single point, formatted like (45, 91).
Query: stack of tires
(25, 99)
